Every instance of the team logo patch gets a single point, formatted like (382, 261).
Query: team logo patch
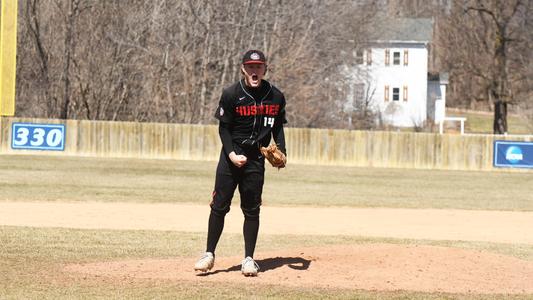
(254, 56)
(221, 111)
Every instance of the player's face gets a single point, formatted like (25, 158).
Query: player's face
(253, 73)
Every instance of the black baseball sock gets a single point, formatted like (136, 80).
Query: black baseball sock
(250, 230)
(214, 231)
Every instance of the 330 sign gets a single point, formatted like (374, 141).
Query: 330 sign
(38, 136)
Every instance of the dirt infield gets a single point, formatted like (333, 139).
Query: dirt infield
(431, 224)
(383, 267)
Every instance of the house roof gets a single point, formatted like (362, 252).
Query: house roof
(390, 29)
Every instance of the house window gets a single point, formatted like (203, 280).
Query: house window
(359, 93)
(359, 57)
(396, 58)
(387, 57)
(369, 57)
(404, 93)
(395, 94)
(405, 57)
(386, 93)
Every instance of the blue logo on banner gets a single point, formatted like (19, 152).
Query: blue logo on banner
(513, 154)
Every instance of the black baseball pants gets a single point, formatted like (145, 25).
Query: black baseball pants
(249, 179)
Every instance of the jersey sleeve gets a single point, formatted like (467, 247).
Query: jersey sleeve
(278, 132)
(224, 132)
(282, 118)
(225, 110)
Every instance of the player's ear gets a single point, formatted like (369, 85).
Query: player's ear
(266, 69)
(242, 70)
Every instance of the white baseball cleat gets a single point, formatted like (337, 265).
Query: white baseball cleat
(205, 263)
(249, 267)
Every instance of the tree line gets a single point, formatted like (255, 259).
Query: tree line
(167, 61)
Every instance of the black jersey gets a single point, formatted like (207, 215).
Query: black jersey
(252, 114)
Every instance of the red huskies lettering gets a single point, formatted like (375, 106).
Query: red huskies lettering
(253, 110)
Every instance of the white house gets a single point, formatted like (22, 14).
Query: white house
(392, 74)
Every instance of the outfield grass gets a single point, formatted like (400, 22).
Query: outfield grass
(483, 123)
(55, 178)
(31, 260)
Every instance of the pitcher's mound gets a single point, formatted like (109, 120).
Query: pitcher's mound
(383, 267)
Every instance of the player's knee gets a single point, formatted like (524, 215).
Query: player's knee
(251, 217)
(220, 205)
(220, 208)
(220, 211)
(251, 212)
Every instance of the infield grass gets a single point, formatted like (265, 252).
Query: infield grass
(31, 262)
(55, 178)
(31, 259)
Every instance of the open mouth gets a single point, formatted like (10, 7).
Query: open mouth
(255, 77)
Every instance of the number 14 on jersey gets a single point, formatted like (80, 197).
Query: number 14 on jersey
(269, 121)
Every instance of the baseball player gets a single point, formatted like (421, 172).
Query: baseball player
(250, 112)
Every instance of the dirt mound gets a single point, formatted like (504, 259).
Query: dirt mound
(383, 267)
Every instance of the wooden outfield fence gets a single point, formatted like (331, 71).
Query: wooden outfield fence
(307, 146)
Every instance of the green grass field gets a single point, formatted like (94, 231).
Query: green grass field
(48, 178)
(31, 258)
(479, 122)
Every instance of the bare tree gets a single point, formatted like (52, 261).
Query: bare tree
(484, 41)
(35, 75)
(167, 61)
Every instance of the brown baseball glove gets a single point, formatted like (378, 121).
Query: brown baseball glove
(274, 156)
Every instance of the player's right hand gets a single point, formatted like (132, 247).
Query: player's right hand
(237, 159)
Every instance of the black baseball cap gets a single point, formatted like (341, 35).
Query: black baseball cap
(253, 57)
